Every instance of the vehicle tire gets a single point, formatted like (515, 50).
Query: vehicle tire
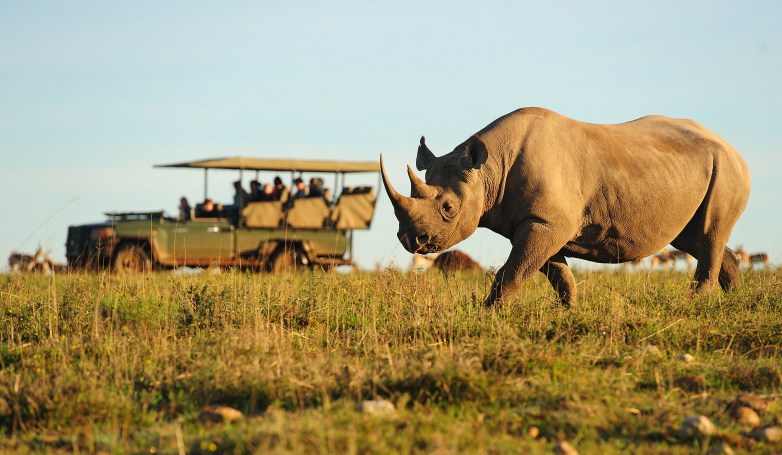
(326, 268)
(131, 259)
(285, 260)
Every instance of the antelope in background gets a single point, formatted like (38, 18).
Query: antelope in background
(447, 261)
(422, 263)
(666, 256)
(751, 259)
(39, 262)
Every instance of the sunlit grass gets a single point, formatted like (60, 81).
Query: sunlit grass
(125, 363)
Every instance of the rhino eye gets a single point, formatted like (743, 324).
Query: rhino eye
(448, 209)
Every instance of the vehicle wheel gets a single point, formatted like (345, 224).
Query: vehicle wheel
(327, 268)
(131, 259)
(285, 260)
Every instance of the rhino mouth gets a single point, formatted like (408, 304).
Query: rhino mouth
(421, 244)
(417, 244)
(426, 249)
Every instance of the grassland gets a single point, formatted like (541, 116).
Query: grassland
(124, 364)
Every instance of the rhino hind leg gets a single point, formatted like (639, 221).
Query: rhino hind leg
(728, 276)
(561, 278)
(706, 235)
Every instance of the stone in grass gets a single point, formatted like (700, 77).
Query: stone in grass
(376, 407)
(745, 416)
(219, 414)
(720, 449)
(564, 448)
(696, 427)
(533, 432)
(771, 434)
(758, 404)
(685, 358)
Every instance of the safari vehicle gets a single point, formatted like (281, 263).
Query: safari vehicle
(273, 235)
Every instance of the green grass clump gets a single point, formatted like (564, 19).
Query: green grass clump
(125, 363)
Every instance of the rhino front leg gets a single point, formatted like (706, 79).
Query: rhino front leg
(533, 245)
(561, 278)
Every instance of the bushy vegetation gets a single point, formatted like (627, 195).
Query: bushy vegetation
(125, 363)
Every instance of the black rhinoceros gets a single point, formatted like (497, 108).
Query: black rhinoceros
(556, 188)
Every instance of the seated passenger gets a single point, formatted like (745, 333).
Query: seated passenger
(301, 189)
(185, 211)
(255, 191)
(208, 210)
(279, 188)
(316, 188)
(240, 196)
(268, 193)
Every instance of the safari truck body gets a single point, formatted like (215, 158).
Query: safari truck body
(271, 235)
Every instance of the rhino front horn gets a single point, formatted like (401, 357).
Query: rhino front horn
(397, 200)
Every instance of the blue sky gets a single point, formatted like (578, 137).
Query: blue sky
(92, 94)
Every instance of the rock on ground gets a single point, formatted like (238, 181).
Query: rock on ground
(772, 434)
(564, 448)
(757, 404)
(376, 407)
(745, 416)
(533, 432)
(686, 358)
(219, 414)
(696, 427)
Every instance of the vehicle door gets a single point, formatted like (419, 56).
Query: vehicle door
(204, 242)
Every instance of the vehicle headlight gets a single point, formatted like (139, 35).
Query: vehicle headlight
(104, 233)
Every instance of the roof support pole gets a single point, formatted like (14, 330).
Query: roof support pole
(206, 183)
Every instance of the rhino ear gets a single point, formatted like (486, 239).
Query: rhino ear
(425, 157)
(477, 154)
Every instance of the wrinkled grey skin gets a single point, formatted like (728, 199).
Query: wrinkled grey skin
(558, 188)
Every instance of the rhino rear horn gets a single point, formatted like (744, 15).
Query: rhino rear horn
(419, 188)
(425, 156)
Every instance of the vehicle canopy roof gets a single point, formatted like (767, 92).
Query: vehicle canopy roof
(279, 164)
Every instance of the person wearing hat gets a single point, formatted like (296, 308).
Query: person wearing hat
(279, 188)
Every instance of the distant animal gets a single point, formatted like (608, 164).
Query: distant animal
(751, 259)
(659, 258)
(447, 261)
(25, 263)
(666, 256)
(456, 261)
(634, 264)
(558, 188)
(21, 262)
(422, 262)
(685, 256)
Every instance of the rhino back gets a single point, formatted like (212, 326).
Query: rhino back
(620, 191)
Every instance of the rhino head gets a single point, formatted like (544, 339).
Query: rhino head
(445, 209)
